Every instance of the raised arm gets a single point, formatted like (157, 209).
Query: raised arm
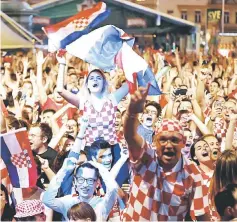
(170, 106)
(68, 96)
(230, 131)
(42, 93)
(55, 117)
(215, 112)
(33, 80)
(196, 107)
(201, 126)
(178, 62)
(117, 166)
(49, 197)
(77, 146)
(56, 139)
(121, 92)
(26, 63)
(111, 191)
(134, 140)
(169, 79)
(232, 85)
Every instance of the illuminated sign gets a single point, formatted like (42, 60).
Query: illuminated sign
(213, 15)
(136, 22)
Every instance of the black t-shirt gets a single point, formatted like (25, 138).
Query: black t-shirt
(50, 155)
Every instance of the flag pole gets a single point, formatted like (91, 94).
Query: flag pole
(223, 14)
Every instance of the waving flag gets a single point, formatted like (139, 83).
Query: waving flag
(109, 46)
(67, 31)
(18, 158)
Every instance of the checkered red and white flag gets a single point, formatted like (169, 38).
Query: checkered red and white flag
(18, 158)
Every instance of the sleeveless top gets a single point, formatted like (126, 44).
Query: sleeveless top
(101, 124)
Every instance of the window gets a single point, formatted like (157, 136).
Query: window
(226, 17)
(170, 11)
(184, 15)
(197, 16)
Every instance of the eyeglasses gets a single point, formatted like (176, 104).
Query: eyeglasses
(173, 140)
(81, 180)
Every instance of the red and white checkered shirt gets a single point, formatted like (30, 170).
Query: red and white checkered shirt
(207, 111)
(207, 180)
(101, 124)
(220, 130)
(206, 177)
(165, 196)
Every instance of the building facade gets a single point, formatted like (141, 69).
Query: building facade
(196, 10)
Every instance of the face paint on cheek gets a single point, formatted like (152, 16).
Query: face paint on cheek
(105, 158)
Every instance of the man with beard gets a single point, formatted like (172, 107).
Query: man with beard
(149, 117)
(166, 185)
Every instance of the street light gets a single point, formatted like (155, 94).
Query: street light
(223, 14)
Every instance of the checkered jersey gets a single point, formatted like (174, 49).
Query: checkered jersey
(207, 111)
(207, 180)
(80, 24)
(220, 130)
(21, 160)
(121, 139)
(165, 196)
(101, 124)
(206, 177)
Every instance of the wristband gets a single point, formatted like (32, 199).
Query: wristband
(62, 64)
(80, 138)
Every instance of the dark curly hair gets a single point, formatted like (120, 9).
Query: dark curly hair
(46, 130)
(8, 211)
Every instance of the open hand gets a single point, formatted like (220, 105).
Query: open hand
(84, 121)
(40, 58)
(69, 163)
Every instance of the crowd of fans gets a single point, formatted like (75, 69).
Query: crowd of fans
(105, 154)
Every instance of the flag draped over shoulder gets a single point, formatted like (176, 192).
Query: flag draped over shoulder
(18, 158)
(67, 31)
(109, 46)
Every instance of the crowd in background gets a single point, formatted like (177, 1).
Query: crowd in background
(93, 142)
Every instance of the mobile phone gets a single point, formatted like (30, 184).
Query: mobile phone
(181, 92)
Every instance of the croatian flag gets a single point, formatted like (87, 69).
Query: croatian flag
(108, 47)
(18, 158)
(67, 31)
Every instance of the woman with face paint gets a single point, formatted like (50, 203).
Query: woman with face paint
(100, 106)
